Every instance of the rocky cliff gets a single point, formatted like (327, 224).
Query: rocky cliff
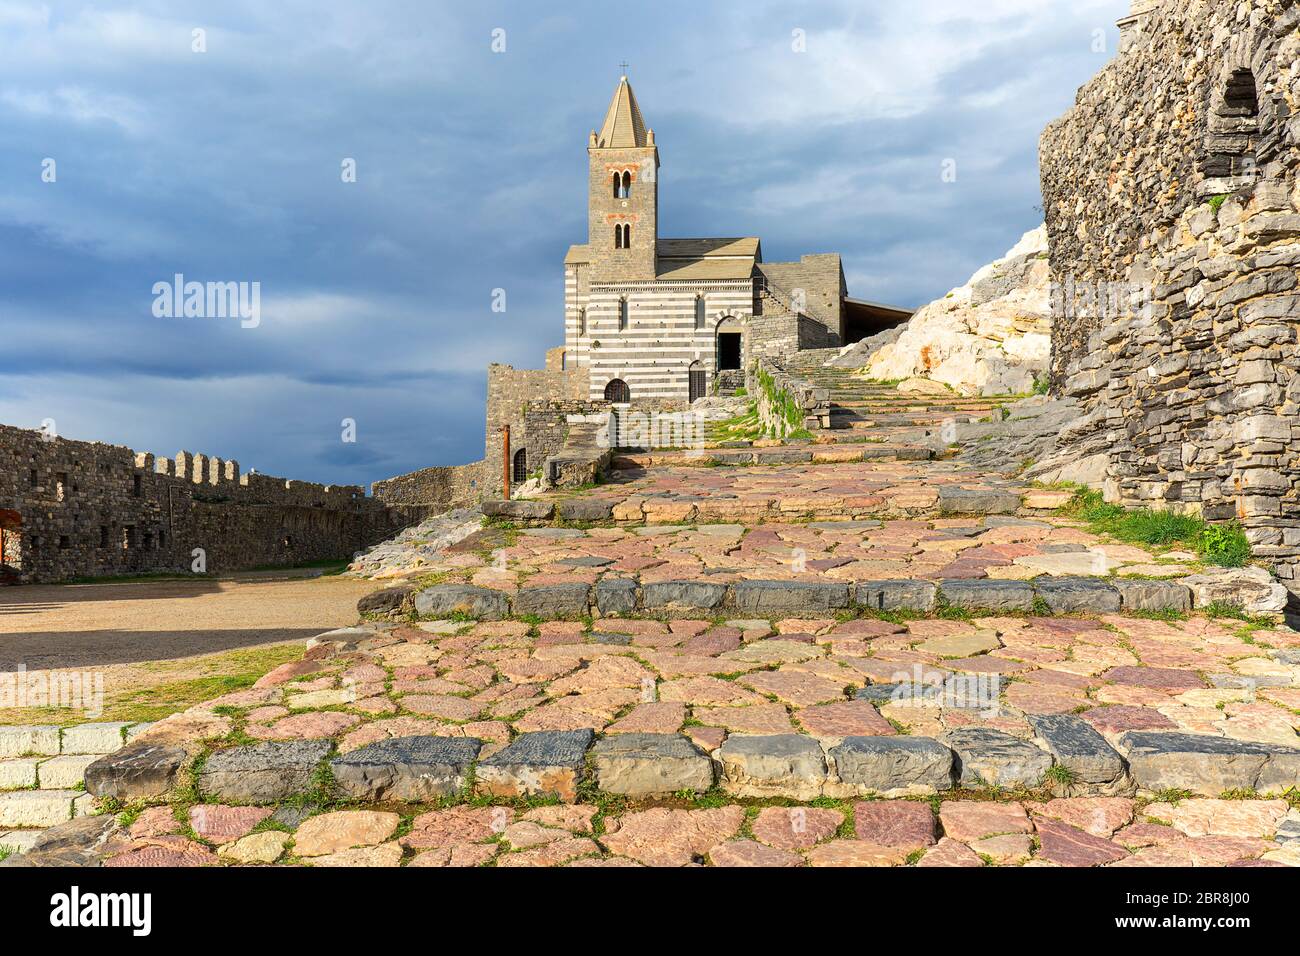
(991, 336)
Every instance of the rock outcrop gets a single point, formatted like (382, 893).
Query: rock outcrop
(991, 336)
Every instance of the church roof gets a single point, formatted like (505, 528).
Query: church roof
(624, 125)
(707, 258)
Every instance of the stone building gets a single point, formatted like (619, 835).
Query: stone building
(664, 319)
(1173, 214)
(72, 509)
(650, 325)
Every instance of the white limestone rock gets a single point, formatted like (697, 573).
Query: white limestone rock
(991, 336)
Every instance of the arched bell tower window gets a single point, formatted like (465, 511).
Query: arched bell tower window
(626, 188)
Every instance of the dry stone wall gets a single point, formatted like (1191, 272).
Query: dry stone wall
(1170, 191)
(83, 509)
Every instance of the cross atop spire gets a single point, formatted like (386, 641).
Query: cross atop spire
(623, 69)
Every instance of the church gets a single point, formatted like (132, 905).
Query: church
(656, 320)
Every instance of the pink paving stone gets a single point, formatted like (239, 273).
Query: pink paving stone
(534, 669)
(986, 664)
(602, 674)
(762, 718)
(1009, 849)
(708, 691)
(287, 672)
(457, 826)
(221, 824)
(183, 853)
(462, 855)
(442, 706)
(1100, 816)
(902, 823)
(309, 726)
(1148, 834)
(794, 687)
(662, 837)
(852, 718)
(968, 820)
(661, 717)
(864, 629)
(1222, 850)
(853, 853)
(1153, 856)
(1161, 677)
(688, 628)
(706, 738)
(1037, 699)
(155, 821)
(715, 642)
(632, 627)
(566, 817)
(747, 853)
(1121, 718)
(1059, 679)
(262, 715)
(1070, 846)
(950, 853)
(795, 828)
(557, 853)
(560, 632)
(334, 832)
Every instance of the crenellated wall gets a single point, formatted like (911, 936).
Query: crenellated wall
(72, 509)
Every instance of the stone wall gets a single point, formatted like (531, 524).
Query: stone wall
(81, 509)
(1170, 191)
(814, 286)
(510, 390)
(437, 489)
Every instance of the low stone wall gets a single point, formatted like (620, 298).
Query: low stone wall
(786, 404)
(436, 489)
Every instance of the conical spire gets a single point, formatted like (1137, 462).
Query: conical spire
(624, 126)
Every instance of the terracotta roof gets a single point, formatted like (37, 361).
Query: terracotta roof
(624, 125)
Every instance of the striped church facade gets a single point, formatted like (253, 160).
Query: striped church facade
(651, 335)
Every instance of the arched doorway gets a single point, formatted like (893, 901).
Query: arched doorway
(730, 346)
(519, 468)
(11, 547)
(618, 392)
(699, 380)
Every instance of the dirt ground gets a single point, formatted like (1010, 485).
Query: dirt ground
(163, 645)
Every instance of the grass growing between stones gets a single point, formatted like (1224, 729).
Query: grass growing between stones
(1224, 545)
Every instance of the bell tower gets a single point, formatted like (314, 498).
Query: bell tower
(623, 193)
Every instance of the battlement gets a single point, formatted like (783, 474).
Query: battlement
(81, 508)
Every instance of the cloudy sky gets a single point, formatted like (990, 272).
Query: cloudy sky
(226, 165)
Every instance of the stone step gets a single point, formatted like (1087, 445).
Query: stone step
(562, 765)
(626, 594)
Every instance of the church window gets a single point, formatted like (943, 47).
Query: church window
(622, 315)
(582, 321)
(618, 236)
(627, 237)
(618, 184)
(626, 189)
(699, 313)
